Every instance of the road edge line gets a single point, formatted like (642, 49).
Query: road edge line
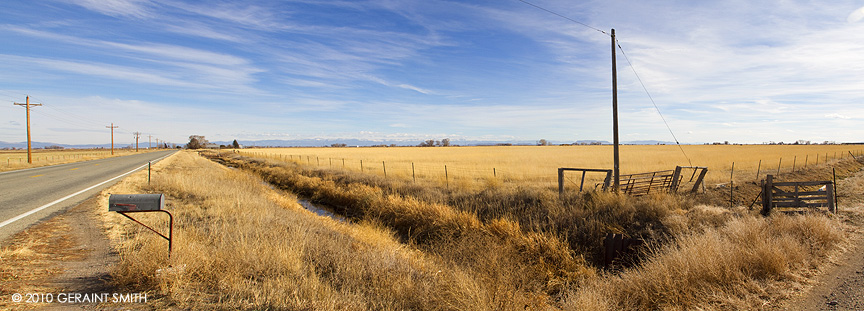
(36, 210)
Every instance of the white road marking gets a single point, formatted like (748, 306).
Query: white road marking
(36, 210)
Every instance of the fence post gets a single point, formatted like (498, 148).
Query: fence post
(778, 165)
(766, 195)
(361, 165)
(413, 174)
(384, 165)
(758, 168)
(807, 157)
(494, 173)
(560, 182)
(582, 183)
(446, 177)
(795, 159)
(731, 184)
(834, 190)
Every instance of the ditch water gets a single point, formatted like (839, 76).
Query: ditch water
(319, 210)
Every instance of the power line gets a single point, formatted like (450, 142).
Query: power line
(618, 44)
(564, 17)
(652, 101)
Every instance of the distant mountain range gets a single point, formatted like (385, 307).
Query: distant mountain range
(329, 142)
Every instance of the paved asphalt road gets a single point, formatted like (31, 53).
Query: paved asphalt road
(30, 195)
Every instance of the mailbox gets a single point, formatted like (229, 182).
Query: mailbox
(136, 202)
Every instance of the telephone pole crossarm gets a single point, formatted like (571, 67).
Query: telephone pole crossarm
(137, 135)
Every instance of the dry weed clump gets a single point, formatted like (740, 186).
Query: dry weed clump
(237, 248)
(737, 266)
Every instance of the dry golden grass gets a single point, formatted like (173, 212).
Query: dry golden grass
(538, 164)
(421, 246)
(17, 159)
(745, 264)
(241, 245)
(672, 223)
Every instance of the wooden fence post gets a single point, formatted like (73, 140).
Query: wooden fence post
(795, 159)
(413, 174)
(766, 195)
(758, 168)
(778, 165)
(731, 184)
(384, 165)
(834, 189)
(446, 177)
(560, 182)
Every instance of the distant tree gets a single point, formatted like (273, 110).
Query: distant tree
(235, 144)
(428, 143)
(542, 142)
(445, 142)
(195, 142)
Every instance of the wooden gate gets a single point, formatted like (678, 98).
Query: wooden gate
(644, 183)
(667, 181)
(797, 196)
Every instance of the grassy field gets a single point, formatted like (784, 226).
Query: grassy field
(17, 159)
(538, 164)
(243, 242)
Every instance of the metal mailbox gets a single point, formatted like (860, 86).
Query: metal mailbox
(136, 202)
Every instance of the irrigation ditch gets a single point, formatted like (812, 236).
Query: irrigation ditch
(642, 223)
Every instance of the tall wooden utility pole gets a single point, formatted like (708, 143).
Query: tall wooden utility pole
(29, 147)
(615, 114)
(112, 127)
(137, 135)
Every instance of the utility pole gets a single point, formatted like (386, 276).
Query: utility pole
(29, 148)
(112, 127)
(137, 135)
(615, 168)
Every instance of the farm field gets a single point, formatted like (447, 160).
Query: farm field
(537, 165)
(17, 159)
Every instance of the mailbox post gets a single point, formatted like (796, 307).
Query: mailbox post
(125, 204)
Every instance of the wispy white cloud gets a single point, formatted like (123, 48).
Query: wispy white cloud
(118, 8)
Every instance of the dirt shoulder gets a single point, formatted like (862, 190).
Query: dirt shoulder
(60, 264)
(65, 262)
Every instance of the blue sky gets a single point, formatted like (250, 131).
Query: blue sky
(739, 71)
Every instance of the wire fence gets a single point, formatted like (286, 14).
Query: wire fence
(454, 173)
